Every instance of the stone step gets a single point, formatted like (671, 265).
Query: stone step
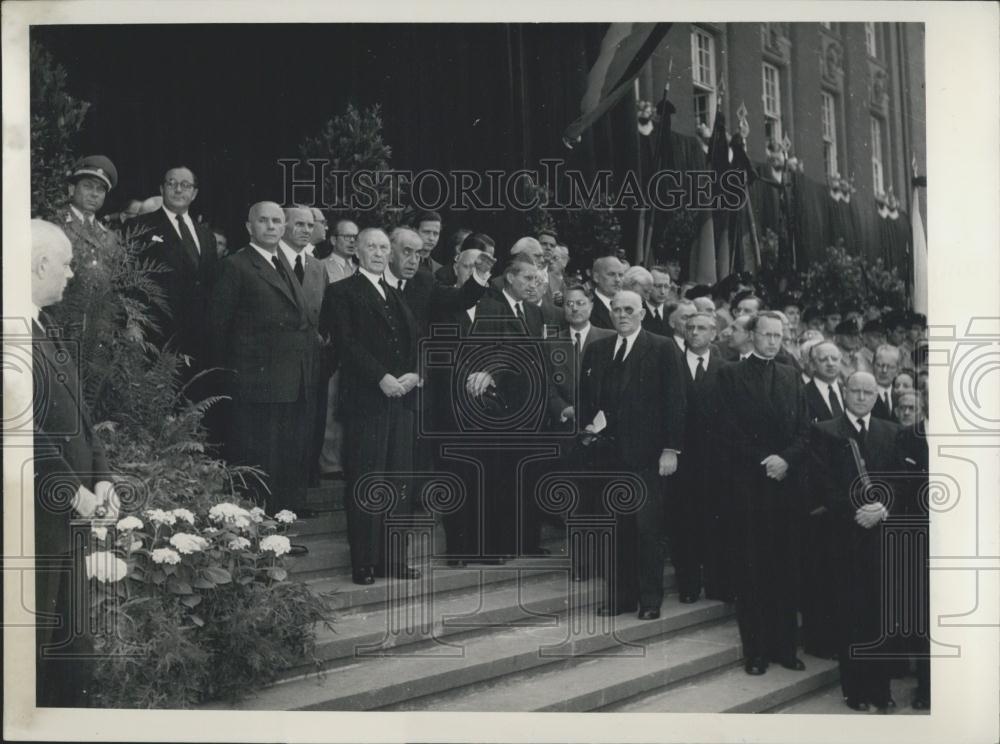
(588, 683)
(424, 610)
(429, 667)
(829, 700)
(732, 690)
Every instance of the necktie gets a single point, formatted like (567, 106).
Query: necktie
(300, 273)
(888, 403)
(656, 314)
(401, 284)
(186, 237)
(282, 273)
(834, 400)
(699, 371)
(620, 353)
(384, 286)
(862, 432)
(576, 341)
(518, 311)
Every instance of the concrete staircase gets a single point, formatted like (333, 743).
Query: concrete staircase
(518, 637)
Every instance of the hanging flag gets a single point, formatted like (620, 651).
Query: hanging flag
(745, 253)
(624, 50)
(919, 255)
(710, 262)
(662, 158)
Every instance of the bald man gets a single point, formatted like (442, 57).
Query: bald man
(847, 453)
(68, 459)
(633, 384)
(295, 246)
(264, 328)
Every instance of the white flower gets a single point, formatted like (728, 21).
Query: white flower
(285, 516)
(277, 544)
(257, 515)
(136, 544)
(239, 543)
(129, 523)
(101, 533)
(183, 514)
(165, 555)
(105, 566)
(188, 544)
(231, 514)
(158, 516)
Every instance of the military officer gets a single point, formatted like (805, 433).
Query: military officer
(90, 181)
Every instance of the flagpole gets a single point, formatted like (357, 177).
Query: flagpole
(641, 227)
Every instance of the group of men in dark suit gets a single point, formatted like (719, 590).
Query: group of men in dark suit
(717, 445)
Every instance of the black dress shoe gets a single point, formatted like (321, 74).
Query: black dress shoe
(794, 663)
(886, 706)
(755, 665)
(298, 550)
(398, 571)
(649, 613)
(921, 703)
(854, 704)
(687, 598)
(363, 576)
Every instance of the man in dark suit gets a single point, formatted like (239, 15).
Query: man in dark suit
(66, 454)
(185, 248)
(261, 326)
(699, 525)
(886, 364)
(375, 335)
(825, 401)
(659, 296)
(506, 391)
(845, 452)
(312, 279)
(607, 273)
(768, 425)
(677, 316)
(633, 399)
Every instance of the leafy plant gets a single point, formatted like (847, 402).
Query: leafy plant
(840, 278)
(352, 144)
(56, 120)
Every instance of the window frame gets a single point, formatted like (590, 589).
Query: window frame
(877, 137)
(828, 120)
(772, 116)
(871, 39)
(706, 89)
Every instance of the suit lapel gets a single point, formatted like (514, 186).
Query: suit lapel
(268, 273)
(171, 234)
(634, 360)
(371, 294)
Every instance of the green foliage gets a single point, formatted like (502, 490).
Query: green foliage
(352, 143)
(840, 278)
(56, 119)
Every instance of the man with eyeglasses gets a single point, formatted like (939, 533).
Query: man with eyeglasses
(187, 249)
(847, 452)
(767, 426)
(633, 397)
(887, 364)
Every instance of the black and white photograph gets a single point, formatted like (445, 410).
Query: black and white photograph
(582, 364)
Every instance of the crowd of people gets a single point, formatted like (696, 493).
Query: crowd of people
(757, 443)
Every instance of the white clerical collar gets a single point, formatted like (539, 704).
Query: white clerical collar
(762, 358)
(744, 355)
(629, 342)
(80, 216)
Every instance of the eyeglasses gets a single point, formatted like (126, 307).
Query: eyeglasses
(182, 185)
(347, 237)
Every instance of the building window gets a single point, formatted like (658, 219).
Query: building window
(703, 76)
(829, 111)
(772, 103)
(871, 40)
(878, 157)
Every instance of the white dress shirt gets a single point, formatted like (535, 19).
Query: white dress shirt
(290, 254)
(606, 301)
(172, 219)
(629, 343)
(266, 254)
(514, 303)
(392, 280)
(886, 395)
(583, 335)
(374, 279)
(692, 360)
(867, 418)
(824, 391)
